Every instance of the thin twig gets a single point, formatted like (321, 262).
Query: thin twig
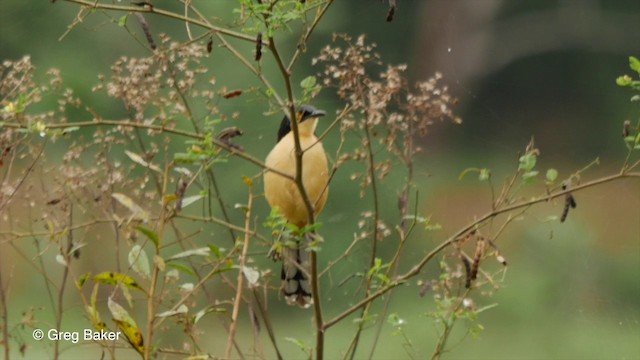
(374, 237)
(151, 301)
(267, 322)
(162, 129)
(65, 276)
(166, 13)
(240, 281)
(223, 209)
(5, 318)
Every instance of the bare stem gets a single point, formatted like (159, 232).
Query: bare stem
(374, 236)
(165, 13)
(151, 301)
(5, 319)
(65, 277)
(240, 281)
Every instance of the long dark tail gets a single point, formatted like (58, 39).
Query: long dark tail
(296, 286)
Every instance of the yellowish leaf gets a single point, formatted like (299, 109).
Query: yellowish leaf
(113, 278)
(127, 325)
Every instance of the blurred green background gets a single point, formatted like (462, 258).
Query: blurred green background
(520, 68)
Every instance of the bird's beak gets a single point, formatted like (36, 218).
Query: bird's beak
(318, 113)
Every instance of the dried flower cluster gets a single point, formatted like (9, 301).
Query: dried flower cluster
(388, 100)
(155, 87)
(17, 78)
(386, 107)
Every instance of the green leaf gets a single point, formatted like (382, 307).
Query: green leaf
(137, 211)
(203, 251)
(624, 80)
(466, 171)
(299, 343)
(527, 162)
(82, 280)
(208, 310)
(552, 175)
(308, 82)
(149, 234)
(551, 218)
(183, 157)
(191, 199)
(182, 309)
(215, 251)
(70, 129)
(529, 176)
(634, 64)
(485, 308)
(122, 21)
(139, 160)
(139, 261)
(182, 268)
(484, 175)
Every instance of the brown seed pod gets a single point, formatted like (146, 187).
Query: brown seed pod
(476, 258)
(210, 45)
(259, 47)
(467, 270)
(569, 203)
(392, 10)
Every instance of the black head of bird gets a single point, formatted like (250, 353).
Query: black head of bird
(303, 113)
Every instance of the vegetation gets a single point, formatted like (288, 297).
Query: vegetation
(127, 211)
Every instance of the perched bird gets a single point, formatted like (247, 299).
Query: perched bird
(283, 193)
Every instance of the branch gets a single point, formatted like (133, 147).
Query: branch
(221, 144)
(165, 13)
(418, 267)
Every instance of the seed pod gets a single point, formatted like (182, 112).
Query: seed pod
(476, 258)
(259, 47)
(210, 45)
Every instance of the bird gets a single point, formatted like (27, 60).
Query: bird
(282, 193)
